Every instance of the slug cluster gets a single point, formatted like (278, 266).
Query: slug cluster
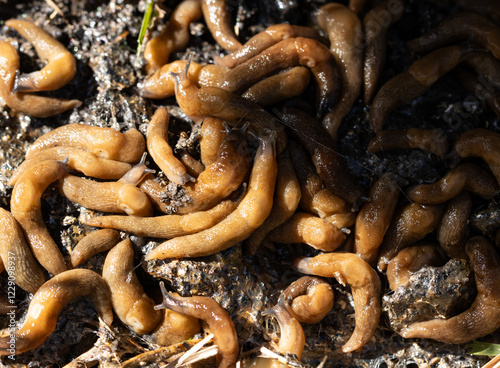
(268, 171)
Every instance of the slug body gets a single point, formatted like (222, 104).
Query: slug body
(212, 134)
(130, 303)
(49, 301)
(349, 269)
(160, 150)
(26, 207)
(16, 256)
(102, 142)
(248, 216)
(375, 217)
(482, 318)
(265, 39)
(92, 244)
(26, 103)
(106, 196)
(174, 37)
(343, 28)
(61, 65)
(214, 315)
(217, 16)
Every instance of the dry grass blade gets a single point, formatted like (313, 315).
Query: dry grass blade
(493, 363)
(195, 354)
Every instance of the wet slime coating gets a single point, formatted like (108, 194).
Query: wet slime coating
(256, 167)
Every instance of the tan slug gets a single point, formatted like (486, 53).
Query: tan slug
(76, 159)
(214, 315)
(410, 84)
(243, 221)
(410, 223)
(308, 299)
(431, 140)
(26, 207)
(106, 196)
(285, 202)
(199, 103)
(349, 269)
(95, 242)
(374, 218)
(465, 176)
(298, 51)
(175, 328)
(212, 134)
(217, 17)
(375, 25)
(61, 65)
(169, 226)
(174, 37)
(49, 301)
(453, 231)
(130, 302)
(483, 316)
(410, 260)
(482, 143)
(16, 256)
(102, 142)
(26, 103)
(160, 150)
(309, 229)
(460, 27)
(265, 39)
(343, 27)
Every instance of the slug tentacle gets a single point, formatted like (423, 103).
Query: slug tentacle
(49, 301)
(214, 315)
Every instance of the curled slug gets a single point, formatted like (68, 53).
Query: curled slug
(453, 231)
(460, 27)
(106, 196)
(217, 17)
(169, 226)
(343, 28)
(212, 134)
(410, 224)
(410, 84)
(136, 173)
(76, 159)
(285, 202)
(222, 177)
(161, 84)
(26, 207)
(309, 229)
(315, 198)
(49, 301)
(102, 142)
(482, 318)
(265, 39)
(285, 54)
(375, 24)
(292, 339)
(243, 221)
(192, 165)
(330, 165)
(308, 299)
(485, 65)
(214, 315)
(92, 244)
(279, 87)
(410, 260)
(199, 103)
(174, 37)
(160, 150)
(374, 218)
(16, 256)
(61, 65)
(431, 140)
(130, 303)
(465, 176)
(26, 103)
(349, 269)
(482, 143)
